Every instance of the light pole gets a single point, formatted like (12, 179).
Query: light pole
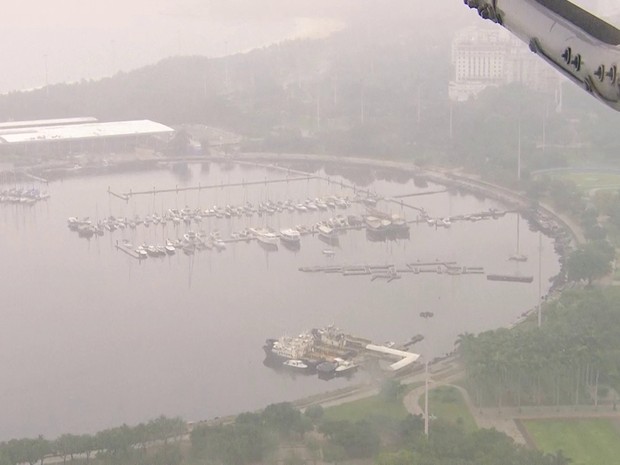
(426, 397)
(426, 316)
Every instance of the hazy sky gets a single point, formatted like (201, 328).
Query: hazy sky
(77, 39)
(87, 39)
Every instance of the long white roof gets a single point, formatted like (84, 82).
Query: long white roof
(47, 122)
(82, 131)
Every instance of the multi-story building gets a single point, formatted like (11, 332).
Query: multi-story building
(484, 57)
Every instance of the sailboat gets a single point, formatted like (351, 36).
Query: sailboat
(518, 257)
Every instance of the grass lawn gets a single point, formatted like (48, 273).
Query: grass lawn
(585, 441)
(446, 402)
(587, 181)
(371, 407)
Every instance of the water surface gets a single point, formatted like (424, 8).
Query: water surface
(91, 338)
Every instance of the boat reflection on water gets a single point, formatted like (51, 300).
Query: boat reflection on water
(392, 234)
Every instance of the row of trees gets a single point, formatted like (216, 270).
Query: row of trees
(254, 438)
(266, 436)
(110, 445)
(563, 362)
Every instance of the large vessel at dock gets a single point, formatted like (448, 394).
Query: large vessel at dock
(330, 352)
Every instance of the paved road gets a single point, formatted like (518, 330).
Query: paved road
(504, 419)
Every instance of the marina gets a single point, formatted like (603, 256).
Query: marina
(223, 292)
(23, 196)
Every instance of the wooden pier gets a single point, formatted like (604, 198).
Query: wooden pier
(128, 251)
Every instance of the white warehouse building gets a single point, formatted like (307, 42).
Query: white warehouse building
(85, 134)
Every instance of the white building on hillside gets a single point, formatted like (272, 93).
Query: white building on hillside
(484, 57)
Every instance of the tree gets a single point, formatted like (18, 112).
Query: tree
(402, 457)
(359, 439)
(168, 454)
(589, 262)
(314, 448)
(67, 445)
(391, 390)
(285, 419)
(86, 445)
(314, 413)
(334, 453)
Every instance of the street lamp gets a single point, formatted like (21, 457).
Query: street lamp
(426, 316)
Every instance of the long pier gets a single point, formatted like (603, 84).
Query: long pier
(35, 178)
(418, 194)
(390, 272)
(128, 195)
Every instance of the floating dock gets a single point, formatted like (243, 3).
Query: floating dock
(128, 251)
(510, 278)
(390, 272)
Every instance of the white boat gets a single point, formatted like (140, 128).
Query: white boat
(266, 237)
(327, 234)
(219, 244)
(519, 257)
(345, 367)
(141, 253)
(296, 364)
(290, 236)
(329, 252)
(170, 250)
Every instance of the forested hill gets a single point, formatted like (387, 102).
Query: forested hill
(277, 85)
(368, 90)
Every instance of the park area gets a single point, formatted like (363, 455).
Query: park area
(447, 403)
(587, 181)
(585, 441)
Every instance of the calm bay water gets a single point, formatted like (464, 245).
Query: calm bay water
(91, 338)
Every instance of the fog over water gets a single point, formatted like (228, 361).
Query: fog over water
(73, 40)
(92, 338)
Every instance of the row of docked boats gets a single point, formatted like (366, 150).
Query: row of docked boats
(22, 196)
(326, 370)
(446, 222)
(189, 216)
